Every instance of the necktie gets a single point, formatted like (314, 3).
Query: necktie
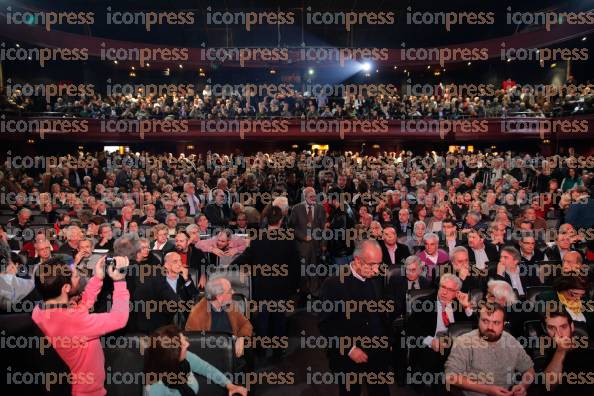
(309, 214)
(444, 317)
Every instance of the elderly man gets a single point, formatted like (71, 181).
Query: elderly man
(105, 237)
(432, 257)
(362, 323)
(190, 200)
(404, 226)
(218, 212)
(21, 221)
(510, 270)
(191, 257)
(217, 313)
(485, 361)
(73, 237)
(412, 280)
(429, 320)
(471, 277)
(173, 288)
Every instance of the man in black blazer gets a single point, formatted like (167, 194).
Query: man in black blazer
(172, 288)
(559, 249)
(404, 225)
(479, 251)
(531, 256)
(218, 213)
(362, 323)
(511, 270)
(470, 275)
(398, 286)
(191, 257)
(429, 320)
(393, 252)
(277, 251)
(308, 220)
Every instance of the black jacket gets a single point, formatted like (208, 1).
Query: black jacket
(402, 252)
(213, 213)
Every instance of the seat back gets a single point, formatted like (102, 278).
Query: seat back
(533, 292)
(216, 349)
(124, 359)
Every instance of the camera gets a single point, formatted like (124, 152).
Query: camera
(110, 262)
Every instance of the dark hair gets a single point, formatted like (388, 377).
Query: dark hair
(564, 283)
(492, 307)
(449, 220)
(51, 276)
(555, 313)
(275, 215)
(161, 357)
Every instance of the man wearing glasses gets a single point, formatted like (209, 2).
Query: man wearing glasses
(363, 330)
(429, 321)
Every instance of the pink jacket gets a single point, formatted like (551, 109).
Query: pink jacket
(74, 333)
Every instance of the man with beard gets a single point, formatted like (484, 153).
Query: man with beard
(191, 257)
(486, 361)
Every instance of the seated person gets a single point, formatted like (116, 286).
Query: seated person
(174, 285)
(13, 289)
(471, 277)
(162, 242)
(429, 325)
(106, 239)
(569, 355)
(509, 269)
(167, 359)
(217, 313)
(570, 293)
(487, 360)
(413, 280)
(530, 255)
(224, 245)
(479, 251)
(393, 252)
(561, 247)
(432, 257)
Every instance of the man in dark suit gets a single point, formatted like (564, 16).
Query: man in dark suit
(308, 219)
(561, 247)
(170, 288)
(429, 320)
(398, 286)
(393, 252)
(276, 249)
(531, 256)
(404, 225)
(471, 277)
(218, 212)
(479, 251)
(371, 324)
(511, 270)
(191, 257)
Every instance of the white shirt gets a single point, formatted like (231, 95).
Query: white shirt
(392, 252)
(440, 326)
(516, 281)
(480, 257)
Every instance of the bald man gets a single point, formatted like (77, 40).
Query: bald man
(367, 321)
(170, 287)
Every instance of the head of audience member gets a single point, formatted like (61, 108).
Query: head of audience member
(74, 235)
(202, 223)
(172, 263)
(500, 292)
(43, 249)
(563, 241)
(105, 232)
(309, 194)
(473, 218)
(171, 221)
(558, 325)
(527, 244)
(219, 197)
(460, 261)
(403, 216)
(413, 268)
(509, 258)
(144, 251)
(181, 212)
(475, 240)
(367, 258)
(431, 242)
(449, 287)
(571, 289)
(275, 217)
(193, 232)
(491, 321)
(150, 211)
(85, 247)
(128, 245)
(127, 213)
(56, 282)
(449, 228)
(182, 240)
(23, 216)
(389, 236)
(572, 263)
(281, 202)
(223, 239)
(166, 348)
(219, 292)
(161, 233)
(375, 229)
(419, 229)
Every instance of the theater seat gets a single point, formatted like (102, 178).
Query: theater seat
(124, 360)
(24, 355)
(457, 329)
(532, 293)
(218, 350)
(414, 295)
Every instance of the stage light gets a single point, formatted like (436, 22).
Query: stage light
(428, 67)
(554, 65)
(133, 68)
(583, 39)
(366, 66)
(395, 67)
(469, 63)
(181, 66)
(115, 62)
(272, 71)
(310, 71)
(18, 45)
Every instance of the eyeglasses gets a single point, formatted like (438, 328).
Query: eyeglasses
(449, 289)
